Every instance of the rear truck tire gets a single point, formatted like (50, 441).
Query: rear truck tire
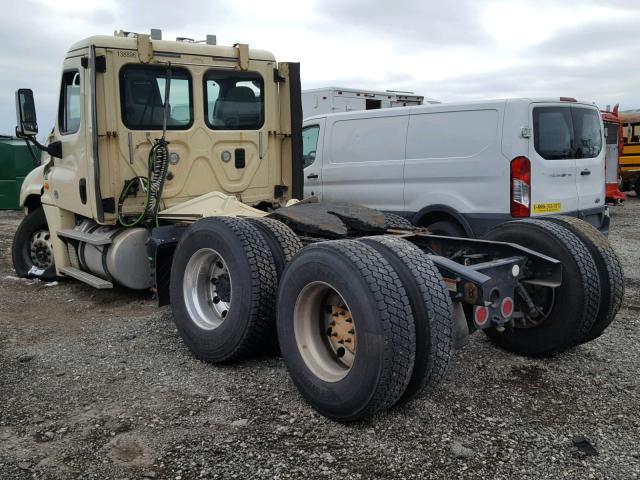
(398, 222)
(32, 250)
(431, 309)
(281, 240)
(609, 270)
(447, 229)
(223, 288)
(566, 313)
(345, 328)
(283, 244)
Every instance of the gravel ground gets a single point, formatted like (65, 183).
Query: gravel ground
(97, 384)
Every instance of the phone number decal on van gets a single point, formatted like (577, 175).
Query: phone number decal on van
(547, 207)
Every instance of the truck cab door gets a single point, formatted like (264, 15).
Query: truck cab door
(312, 142)
(67, 182)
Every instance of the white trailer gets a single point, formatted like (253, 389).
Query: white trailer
(335, 99)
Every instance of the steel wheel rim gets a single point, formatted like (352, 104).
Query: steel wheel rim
(41, 249)
(207, 289)
(328, 349)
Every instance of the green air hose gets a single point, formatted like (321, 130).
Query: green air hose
(152, 185)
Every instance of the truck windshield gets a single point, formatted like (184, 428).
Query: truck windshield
(567, 132)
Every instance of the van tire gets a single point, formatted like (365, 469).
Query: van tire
(569, 320)
(609, 269)
(446, 228)
(384, 334)
(431, 309)
(250, 286)
(397, 222)
(33, 231)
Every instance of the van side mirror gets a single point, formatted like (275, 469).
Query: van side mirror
(26, 113)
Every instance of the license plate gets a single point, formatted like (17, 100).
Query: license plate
(547, 207)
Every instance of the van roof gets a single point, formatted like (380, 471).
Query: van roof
(364, 90)
(440, 107)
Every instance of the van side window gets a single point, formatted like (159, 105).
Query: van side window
(142, 92)
(69, 108)
(233, 100)
(309, 144)
(562, 133)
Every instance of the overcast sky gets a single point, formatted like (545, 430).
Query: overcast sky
(455, 50)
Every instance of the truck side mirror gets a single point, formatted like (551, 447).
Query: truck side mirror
(26, 113)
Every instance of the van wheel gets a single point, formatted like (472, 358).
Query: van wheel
(32, 249)
(431, 308)
(609, 270)
(345, 328)
(223, 287)
(561, 316)
(447, 229)
(397, 222)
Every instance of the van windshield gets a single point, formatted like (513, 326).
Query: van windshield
(567, 132)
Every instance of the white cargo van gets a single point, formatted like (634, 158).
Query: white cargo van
(462, 168)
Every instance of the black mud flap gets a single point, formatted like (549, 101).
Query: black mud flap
(331, 220)
(160, 248)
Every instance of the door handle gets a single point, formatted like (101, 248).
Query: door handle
(585, 172)
(312, 175)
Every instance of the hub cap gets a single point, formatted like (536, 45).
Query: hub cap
(325, 331)
(41, 249)
(207, 289)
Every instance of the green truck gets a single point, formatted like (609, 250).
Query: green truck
(16, 161)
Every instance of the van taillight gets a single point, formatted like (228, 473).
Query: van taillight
(520, 187)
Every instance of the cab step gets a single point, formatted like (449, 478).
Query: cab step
(95, 282)
(90, 238)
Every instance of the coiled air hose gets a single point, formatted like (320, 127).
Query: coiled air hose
(152, 184)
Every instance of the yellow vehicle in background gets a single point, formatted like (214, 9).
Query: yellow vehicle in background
(630, 158)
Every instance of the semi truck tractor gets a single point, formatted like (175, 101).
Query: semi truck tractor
(176, 167)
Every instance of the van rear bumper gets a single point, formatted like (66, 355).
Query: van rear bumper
(481, 223)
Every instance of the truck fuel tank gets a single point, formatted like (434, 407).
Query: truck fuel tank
(123, 260)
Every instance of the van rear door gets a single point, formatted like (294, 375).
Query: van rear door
(589, 153)
(553, 168)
